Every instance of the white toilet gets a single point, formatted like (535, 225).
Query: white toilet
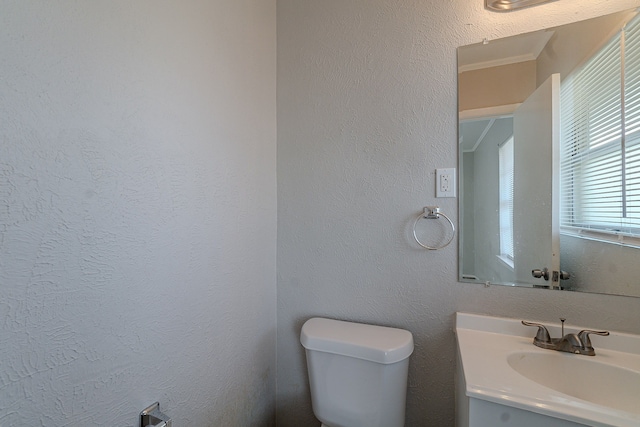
(357, 372)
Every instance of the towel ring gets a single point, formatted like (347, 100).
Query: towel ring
(433, 212)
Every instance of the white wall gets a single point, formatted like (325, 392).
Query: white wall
(137, 212)
(366, 112)
(571, 47)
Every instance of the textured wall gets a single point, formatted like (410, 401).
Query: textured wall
(366, 112)
(137, 212)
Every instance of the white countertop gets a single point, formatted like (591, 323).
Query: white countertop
(485, 342)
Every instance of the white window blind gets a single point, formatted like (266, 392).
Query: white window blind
(600, 149)
(632, 122)
(506, 170)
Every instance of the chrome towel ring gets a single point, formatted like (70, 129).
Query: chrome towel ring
(433, 212)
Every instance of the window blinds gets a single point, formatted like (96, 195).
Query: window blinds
(632, 122)
(600, 133)
(506, 166)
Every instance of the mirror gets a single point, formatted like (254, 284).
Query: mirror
(544, 200)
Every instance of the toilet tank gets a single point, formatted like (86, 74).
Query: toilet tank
(357, 372)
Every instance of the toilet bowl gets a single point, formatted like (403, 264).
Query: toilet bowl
(357, 372)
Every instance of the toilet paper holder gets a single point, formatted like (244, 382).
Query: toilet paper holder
(152, 417)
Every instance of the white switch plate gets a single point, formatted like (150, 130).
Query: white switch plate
(446, 182)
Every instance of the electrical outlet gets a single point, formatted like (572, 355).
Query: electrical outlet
(446, 182)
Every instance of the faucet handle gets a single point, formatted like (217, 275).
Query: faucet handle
(543, 334)
(584, 337)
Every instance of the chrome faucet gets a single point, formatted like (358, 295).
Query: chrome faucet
(579, 343)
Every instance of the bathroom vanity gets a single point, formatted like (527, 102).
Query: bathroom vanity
(503, 379)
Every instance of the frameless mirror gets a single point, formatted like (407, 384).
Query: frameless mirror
(549, 158)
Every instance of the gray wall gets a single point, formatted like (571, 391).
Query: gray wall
(137, 212)
(366, 112)
(467, 224)
(599, 266)
(486, 207)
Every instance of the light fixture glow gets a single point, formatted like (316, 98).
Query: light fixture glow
(509, 5)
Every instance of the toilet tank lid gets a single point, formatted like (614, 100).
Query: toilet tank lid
(379, 344)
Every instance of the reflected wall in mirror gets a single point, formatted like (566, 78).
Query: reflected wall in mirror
(549, 152)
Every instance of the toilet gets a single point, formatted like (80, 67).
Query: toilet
(357, 372)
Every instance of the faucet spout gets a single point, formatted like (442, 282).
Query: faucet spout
(569, 343)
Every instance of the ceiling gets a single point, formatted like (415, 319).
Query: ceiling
(475, 132)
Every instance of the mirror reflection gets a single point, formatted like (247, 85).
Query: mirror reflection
(549, 152)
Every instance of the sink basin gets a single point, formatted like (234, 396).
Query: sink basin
(581, 377)
(503, 379)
